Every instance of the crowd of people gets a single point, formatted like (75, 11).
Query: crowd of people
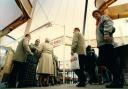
(33, 65)
(107, 59)
(36, 64)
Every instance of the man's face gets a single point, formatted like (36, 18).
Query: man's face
(96, 15)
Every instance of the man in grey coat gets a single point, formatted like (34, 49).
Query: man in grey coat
(19, 59)
(78, 46)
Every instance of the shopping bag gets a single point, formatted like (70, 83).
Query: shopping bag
(75, 62)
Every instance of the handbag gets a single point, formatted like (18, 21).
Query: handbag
(75, 62)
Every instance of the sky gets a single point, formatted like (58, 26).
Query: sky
(8, 12)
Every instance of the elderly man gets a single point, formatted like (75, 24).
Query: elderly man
(78, 46)
(20, 57)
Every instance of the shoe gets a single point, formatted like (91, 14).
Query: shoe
(80, 85)
(93, 82)
(113, 85)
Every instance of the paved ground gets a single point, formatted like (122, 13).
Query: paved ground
(68, 86)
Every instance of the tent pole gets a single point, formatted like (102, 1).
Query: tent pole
(85, 14)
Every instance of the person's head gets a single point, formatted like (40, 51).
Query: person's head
(76, 30)
(47, 40)
(37, 42)
(28, 36)
(96, 14)
(93, 50)
(89, 48)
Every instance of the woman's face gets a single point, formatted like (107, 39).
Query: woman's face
(96, 15)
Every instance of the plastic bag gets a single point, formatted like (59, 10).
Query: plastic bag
(75, 62)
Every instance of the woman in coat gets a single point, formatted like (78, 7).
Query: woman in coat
(45, 65)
